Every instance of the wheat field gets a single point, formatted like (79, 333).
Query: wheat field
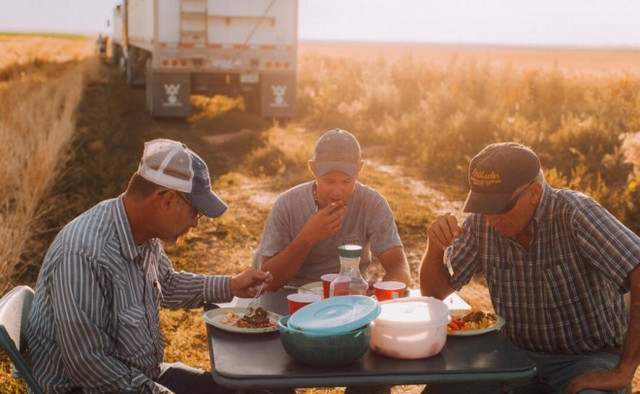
(568, 60)
(41, 84)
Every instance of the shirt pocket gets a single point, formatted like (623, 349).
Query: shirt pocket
(563, 287)
(133, 338)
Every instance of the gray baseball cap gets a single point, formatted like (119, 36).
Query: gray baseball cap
(337, 150)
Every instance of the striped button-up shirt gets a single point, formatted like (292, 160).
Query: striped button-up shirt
(94, 322)
(564, 294)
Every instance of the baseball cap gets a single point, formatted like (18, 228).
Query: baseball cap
(171, 164)
(337, 150)
(496, 173)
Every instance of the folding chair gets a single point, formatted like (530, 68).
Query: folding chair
(14, 311)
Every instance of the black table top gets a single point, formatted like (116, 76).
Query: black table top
(259, 360)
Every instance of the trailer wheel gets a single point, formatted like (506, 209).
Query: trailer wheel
(149, 88)
(135, 67)
(115, 54)
(129, 69)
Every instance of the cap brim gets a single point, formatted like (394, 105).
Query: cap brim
(326, 167)
(208, 203)
(486, 203)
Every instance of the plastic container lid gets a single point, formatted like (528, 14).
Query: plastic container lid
(425, 312)
(336, 314)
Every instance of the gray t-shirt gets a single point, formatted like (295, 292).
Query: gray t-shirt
(368, 222)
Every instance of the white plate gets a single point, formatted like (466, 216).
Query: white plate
(222, 318)
(313, 287)
(468, 333)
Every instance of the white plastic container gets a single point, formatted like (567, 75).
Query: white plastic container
(410, 328)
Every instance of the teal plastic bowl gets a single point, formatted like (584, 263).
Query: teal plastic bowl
(324, 349)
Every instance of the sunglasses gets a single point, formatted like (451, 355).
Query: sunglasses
(196, 214)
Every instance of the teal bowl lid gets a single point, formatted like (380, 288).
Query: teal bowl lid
(336, 314)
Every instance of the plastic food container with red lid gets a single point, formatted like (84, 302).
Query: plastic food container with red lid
(410, 328)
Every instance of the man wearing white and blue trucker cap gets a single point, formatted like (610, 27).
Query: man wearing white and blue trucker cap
(94, 322)
(171, 164)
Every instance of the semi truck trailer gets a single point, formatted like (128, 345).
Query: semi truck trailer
(238, 48)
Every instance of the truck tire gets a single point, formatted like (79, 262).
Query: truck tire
(115, 54)
(149, 86)
(135, 67)
(129, 68)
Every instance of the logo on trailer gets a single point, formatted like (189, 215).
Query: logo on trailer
(172, 95)
(278, 96)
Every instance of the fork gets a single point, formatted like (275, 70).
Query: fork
(254, 301)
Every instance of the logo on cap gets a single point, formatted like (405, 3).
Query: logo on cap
(483, 179)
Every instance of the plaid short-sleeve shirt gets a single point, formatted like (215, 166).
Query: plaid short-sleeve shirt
(565, 294)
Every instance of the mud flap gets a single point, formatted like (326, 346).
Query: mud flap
(168, 95)
(278, 96)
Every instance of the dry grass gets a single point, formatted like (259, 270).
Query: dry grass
(39, 95)
(20, 50)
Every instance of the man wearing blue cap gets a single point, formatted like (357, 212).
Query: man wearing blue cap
(94, 322)
(557, 265)
(308, 222)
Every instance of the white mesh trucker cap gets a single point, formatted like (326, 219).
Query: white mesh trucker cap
(171, 164)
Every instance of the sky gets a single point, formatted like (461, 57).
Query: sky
(583, 23)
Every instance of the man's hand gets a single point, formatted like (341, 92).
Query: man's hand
(434, 281)
(246, 283)
(324, 223)
(443, 231)
(319, 226)
(600, 380)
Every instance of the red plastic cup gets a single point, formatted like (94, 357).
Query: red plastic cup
(298, 300)
(326, 283)
(388, 290)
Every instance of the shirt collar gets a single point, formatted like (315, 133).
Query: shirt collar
(128, 247)
(543, 207)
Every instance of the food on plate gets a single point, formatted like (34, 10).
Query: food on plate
(473, 320)
(253, 318)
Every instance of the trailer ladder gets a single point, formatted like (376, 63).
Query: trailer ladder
(193, 23)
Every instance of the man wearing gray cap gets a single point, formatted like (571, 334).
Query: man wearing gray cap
(308, 222)
(94, 324)
(557, 266)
